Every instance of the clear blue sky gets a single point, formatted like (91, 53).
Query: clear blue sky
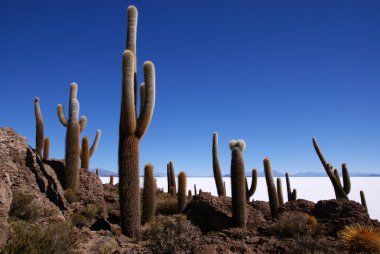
(274, 73)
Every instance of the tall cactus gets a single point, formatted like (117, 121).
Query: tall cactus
(132, 129)
(46, 148)
(173, 185)
(216, 167)
(363, 200)
(86, 152)
(149, 192)
(239, 200)
(340, 191)
(292, 195)
(39, 127)
(279, 191)
(181, 191)
(168, 177)
(272, 192)
(195, 190)
(250, 191)
(73, 129)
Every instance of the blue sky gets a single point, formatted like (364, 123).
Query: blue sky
(274, 73)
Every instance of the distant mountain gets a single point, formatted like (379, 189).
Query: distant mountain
(261, 174)
(323, 174)
(105, 172)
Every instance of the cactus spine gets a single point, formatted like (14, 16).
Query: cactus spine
(216, 167)
(292, 196)
(132, 129)
(46, 148)
(39, 127)
(272, 192)
(148, 204)
(239, 213)
(279, 191)
(181, 192)
(87, 152)
(251, 191)
(340, 191)
(73, 129)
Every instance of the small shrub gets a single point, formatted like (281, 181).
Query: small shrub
(360, 239)
(106, 248)
(25, 207)
(78, 220)
(71, 196)
(91, 211)
(58, 238)
(167, 205)
(292, 224)
(172, 234)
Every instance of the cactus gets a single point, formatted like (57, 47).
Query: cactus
(251, 191)
(39, 127)
(172, 191)
(111, 180)
(200, 191)
(195, 190)
(239, 213)
(363, 200)
(216, 167)
(340, 191)
(148, 204)
(132, 129)
(168, 176)
(272, 192)
(181, 192)
(279, 191)
(46, 148)
(97, 172)
(292, 196)
(73, 129)
(86, 152)
(172, 177)
(189, 194)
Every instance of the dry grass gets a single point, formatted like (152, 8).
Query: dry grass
(360, 239)
(171, 234)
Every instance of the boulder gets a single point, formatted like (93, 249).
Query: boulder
(27, 173)
(215, 213)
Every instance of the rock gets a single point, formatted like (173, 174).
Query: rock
(101, 224)
(5, 204)
(300, 205)
(123, 240)
(338, 213)
(263, 207)
(206, 249)
(27, 173)
(215, 213)
(114, 216)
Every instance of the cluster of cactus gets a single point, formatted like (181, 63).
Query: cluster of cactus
(238, 189)
(132, 129)
(292, 195)
(148, 197)
(171, 179)
(42, 143)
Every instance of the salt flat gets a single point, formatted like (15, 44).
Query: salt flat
(310, 188)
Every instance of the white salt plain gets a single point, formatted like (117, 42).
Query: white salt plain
(310, 188)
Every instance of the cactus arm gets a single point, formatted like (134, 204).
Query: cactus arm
(339, 192)
(252, 190)
(142, 96)
(82, 123)
(150, 95)
(216, 167)
(61, 115)
(128, 114)
(336, 174)
(95, 143)
(132, 29)
(346, 179)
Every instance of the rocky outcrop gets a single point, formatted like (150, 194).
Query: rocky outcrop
(215, 213)
(27, 173)
(5, 204)
(337, 213)
(299, 205)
